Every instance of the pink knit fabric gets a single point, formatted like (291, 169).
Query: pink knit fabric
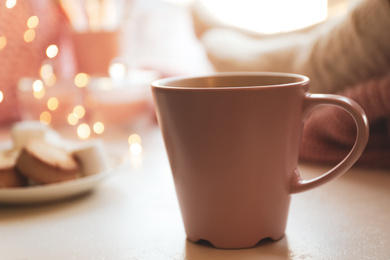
(19, 58)
(330, 132)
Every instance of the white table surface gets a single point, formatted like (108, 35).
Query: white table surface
(135, 215)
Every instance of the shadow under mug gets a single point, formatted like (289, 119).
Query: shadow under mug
(232, 141)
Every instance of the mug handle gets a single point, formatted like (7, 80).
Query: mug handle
(313, 101)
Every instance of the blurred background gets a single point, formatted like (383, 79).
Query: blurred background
(86, 65)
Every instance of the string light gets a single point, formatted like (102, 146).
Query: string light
(134, 138)
(29, 35)
(81, 80)
(98, 127)
(48, 78)
(135, 149)
(79, 111)
(32, 22)
(46, 70)
(37, 85)
(72, 119)
(45, 117)
(135, 144)
(46, 73)
(39, 91)
(10, 3)
(52, 51)
(3, 42)
(83, 131)
(52, 103)
(39, 94)
(117, 71)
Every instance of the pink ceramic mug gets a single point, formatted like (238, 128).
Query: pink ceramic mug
(232, 141)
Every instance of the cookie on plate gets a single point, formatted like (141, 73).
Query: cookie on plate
(44, 163)
(9, 176)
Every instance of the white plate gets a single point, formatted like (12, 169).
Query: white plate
(52, 192)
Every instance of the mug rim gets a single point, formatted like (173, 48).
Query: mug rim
(164, 82)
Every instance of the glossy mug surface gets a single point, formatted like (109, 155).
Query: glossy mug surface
(232, 141)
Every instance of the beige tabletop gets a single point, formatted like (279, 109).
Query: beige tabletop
(134, 214)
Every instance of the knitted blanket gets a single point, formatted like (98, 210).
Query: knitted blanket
(330, 133)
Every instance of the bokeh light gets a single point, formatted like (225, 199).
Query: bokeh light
(47, 74)
(46, 70)
(81, 80)
(83, 131)
(32, 22)
(37, 85)
(50, 80)
(135, 144)
(72, 119)
(10, 3)
(52, 51)
(39, 94)
(52, 103)
(1, 96)
(135, 149)
(45, 117)
(3, 42)
(29, 35)
(79, 111)
(38, 88)
(98, 127)
(134, 138)
(117, 70)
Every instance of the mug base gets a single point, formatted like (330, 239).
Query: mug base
(234, 244)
